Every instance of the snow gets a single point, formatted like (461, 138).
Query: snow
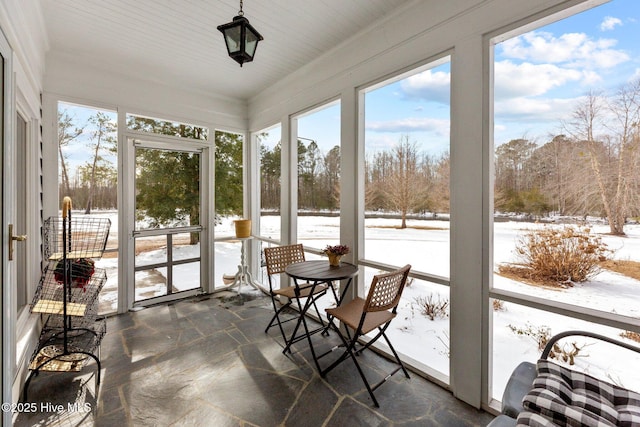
(427, 249)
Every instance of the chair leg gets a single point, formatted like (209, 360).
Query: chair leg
(301, 312)
(346, 354)
(393, 350)
(276, 317)
(318, 311)
(351, 352)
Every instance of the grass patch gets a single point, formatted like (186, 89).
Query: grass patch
(415, 227)
(626, 268)
(526, 275)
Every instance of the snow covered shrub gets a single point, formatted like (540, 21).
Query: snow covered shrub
(541, 335)
(433, 308)
(562, 255)
(498, 305)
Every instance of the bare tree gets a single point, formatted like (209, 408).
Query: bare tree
(377, 170)
(441, 184)
(612, 154)
(103, 137)
(405, 188)
(67, 132)
(332, 177)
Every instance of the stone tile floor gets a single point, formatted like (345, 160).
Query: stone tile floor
(207, 361)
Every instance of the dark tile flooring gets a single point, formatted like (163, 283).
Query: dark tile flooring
(207, 362)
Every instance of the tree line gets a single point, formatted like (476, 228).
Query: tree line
(403, 180)
(588, 169)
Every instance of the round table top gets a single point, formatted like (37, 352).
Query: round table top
(320, 270)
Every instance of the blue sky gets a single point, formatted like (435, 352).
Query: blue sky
(539, 78)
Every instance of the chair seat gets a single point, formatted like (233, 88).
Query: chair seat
(305, 290)
(351, 313)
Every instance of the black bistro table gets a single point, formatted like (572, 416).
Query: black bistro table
(318, 272)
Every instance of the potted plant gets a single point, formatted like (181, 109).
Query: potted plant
(335, 253)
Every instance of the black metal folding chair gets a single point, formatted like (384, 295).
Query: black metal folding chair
(363, 316)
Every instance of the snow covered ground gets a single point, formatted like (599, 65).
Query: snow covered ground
(425, 245)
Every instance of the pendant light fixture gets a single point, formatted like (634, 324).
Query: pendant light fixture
(241, 38)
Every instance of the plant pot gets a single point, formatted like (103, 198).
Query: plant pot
(243, 228)
(334, 259)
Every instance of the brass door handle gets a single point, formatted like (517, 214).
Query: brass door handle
(12, 238)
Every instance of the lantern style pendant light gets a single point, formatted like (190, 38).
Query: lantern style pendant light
(241, 38)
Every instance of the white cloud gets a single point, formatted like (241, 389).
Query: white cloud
(571, 49)
(438, 126)
(609, 23)
(538, 109)
(526, 79)
(428, 85)
(534, 118)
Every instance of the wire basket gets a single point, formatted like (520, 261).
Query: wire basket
(82, 290)
(85, 237)
(51, 355)
(57, 322)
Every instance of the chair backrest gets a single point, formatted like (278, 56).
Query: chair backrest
(386, 290)
(277, 258)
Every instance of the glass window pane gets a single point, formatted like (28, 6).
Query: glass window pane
(421, 329)
(270, 160)
(186, 246)
(318, 150)
(167, 188)
(150, 250)
(564, 201)
(228, 181)
(186, 277)
(517, 330)
(228, 202)
(166, 127)
(150, 283)
(407, 123)
(88, 173)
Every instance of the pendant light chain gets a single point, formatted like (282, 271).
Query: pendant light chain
(240, 12)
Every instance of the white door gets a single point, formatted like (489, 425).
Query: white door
(7, 267)
(168, 230)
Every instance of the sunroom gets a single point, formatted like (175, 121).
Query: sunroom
(382, 125)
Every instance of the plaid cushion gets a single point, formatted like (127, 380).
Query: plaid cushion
(570, 398)
(530, 419)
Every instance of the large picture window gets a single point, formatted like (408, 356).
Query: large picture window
(406, 219)
(318, 148)
(566, 202)
(88, 173)
(270, 153)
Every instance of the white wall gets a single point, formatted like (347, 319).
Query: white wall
(70, 77)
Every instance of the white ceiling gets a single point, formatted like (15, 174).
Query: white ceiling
(176, 42)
